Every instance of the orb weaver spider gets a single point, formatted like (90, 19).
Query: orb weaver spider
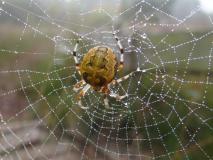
(98, 69)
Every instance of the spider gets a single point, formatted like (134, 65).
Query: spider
(98, 69)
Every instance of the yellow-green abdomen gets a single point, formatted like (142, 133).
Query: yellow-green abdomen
(99, 66)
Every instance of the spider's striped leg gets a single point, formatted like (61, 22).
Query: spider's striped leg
(118, 97)
(121, 64)
(81, 94)
(121, 79)
(106, 91)
(79, 85)
(77, 64)
(106, 101)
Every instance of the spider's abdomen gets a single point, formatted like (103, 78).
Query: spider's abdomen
(99, 66)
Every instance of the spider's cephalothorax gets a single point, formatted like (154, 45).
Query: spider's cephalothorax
(98, 67)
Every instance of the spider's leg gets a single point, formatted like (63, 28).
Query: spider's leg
(106, 102)
(79, 85)
(82, 107)
(114, 95)
(106, 91)
(77, 64)
(118, 97)
(83, 91)
(121, 64)
(121, 79)
(81, 94)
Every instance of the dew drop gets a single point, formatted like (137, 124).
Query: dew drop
(129, 40)
(144, 36)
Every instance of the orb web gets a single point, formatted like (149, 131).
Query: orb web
(167, 113)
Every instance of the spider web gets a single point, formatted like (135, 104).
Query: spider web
(167, 113)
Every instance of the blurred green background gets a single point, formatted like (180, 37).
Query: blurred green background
(170, 110)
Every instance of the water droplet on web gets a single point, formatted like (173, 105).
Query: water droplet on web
(129, 40)
(3, 2)
(143, 70)
(144, 36)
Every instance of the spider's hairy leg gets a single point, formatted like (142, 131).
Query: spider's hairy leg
(77, 64)
(81, 94)
(121, 64)
(79, 85)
